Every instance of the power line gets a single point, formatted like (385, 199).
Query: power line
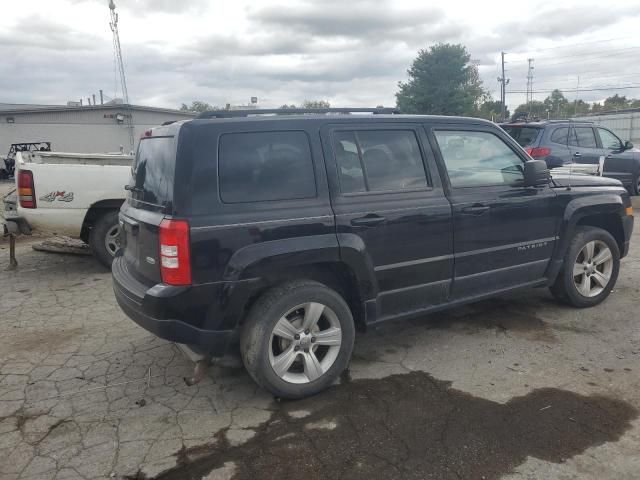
(570, 45)
(584, 54)
(603, 89)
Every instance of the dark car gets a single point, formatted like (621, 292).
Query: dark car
(562, 142)
(290, 232)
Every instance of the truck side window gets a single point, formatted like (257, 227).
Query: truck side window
(261, 166)
(379, 161)
(475, 159)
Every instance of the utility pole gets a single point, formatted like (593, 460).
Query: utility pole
(575, 102)
(503, 91)
(530, 85)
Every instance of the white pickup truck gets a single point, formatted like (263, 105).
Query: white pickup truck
(74, 194)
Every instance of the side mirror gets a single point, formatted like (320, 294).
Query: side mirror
(628, 145)
(536, 173)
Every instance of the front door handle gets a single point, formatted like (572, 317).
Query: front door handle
(475, 210)
(368, 221)
(577, 155)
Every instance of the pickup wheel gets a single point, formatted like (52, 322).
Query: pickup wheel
(590, 268)
(298, 339)
(104, 238)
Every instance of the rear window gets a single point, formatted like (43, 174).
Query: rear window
(153, 172)
(263, 166)
(523, 135)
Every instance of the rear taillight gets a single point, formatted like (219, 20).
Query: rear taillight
(538, 152)
(26, 191)
(175, 255)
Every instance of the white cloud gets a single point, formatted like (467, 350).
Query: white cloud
(351, 53)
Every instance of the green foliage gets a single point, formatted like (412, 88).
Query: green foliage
(316, 104)
(538, 110)
(616, 102)
(442, 81)
(197, 106)
(288, 106)
(491, 110)
(557, 104)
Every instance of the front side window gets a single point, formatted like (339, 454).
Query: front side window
(476, 159)
(583, 137)
(378, 161)
(262, 166)
(609, 140)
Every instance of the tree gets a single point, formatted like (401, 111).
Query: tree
(491, 110)
(537, 110)
(556, 103)
(316, 104)
(442, 81)
(616, 102)
(288, 106)
(579, 107)
(197, 106)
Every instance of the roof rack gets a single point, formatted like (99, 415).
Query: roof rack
(294, 111)
(569, 120)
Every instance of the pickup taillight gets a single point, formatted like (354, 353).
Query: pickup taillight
(538, 152)
(175, 252)
(26, 191)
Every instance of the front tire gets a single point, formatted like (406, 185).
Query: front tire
(590, 268)
(104, 239)
(298, 339)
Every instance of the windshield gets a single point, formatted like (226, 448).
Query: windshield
(523, 135)
(153, 172)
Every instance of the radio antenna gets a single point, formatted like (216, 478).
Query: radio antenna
(123, 79)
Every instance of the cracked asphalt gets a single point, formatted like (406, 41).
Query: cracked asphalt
(517, 387)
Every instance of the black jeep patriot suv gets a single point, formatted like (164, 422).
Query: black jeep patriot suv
(291, 231)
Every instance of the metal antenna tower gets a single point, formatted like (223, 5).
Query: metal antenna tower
(123, 79)
(530, 85)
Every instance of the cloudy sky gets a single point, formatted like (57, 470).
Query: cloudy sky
(351, 53)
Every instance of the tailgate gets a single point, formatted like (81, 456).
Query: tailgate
(139, 240)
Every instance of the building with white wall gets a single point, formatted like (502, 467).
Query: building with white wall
(82, 129)
(625, 123)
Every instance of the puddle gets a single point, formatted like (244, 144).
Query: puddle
(412, 426)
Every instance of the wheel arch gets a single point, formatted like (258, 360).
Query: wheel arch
(317, 258)
(95, 211)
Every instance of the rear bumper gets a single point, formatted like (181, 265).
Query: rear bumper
(152, 307)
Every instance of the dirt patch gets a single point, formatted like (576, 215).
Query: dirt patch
(42, 339)
(413, 426)
(503, 316)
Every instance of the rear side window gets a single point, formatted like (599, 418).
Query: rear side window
(378, 161)
(263, 166)
(560, 135)
(523, 135)
(583, 137)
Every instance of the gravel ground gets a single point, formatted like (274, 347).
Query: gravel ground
(517, 387)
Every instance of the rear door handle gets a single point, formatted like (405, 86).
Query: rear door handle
(577, 154)
(475, 210)
(368, 221)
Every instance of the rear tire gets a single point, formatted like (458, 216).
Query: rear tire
(104, 238)
(289, 353)
(590, 268)
(635, 186)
